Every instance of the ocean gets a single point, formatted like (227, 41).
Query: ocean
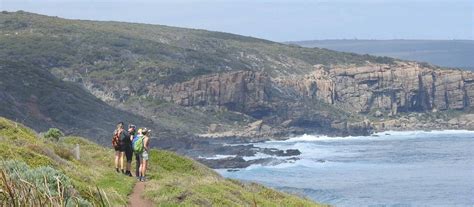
(386, 169)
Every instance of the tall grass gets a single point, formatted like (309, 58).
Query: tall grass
(42, 186)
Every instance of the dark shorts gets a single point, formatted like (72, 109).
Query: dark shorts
(118, 148)
(128, 153)
(123, 148)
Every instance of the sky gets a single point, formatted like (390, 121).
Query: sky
(279, 20)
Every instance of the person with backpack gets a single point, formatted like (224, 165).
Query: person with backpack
(141, 147)
(127, 148)
(137, 154)
(119, 133)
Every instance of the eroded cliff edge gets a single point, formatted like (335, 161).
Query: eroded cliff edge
(400, 96)
(402, 87)
(338, 99)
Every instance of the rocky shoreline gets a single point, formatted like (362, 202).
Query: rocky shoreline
(233, 151)
(415, 121)
(235, 147)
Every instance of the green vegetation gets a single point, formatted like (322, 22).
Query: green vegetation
(173, 180)
(36, 98)
(92, 171)
(54, 134)
(176, 180)
(110, 51)
(41, 186)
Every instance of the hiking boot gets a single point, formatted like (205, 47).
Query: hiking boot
(129, 174)
(123, 171)
(116, 169)
(143, 179)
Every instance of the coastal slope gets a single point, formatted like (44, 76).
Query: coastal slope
(34, 97)
(91, 179)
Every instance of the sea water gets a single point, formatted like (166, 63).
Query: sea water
(386, 169)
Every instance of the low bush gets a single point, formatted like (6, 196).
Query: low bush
(42, 186)
(53, 134)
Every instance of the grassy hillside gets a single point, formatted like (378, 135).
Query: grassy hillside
(174, 180)
(35, 97)
(109, 51)
(447, 53)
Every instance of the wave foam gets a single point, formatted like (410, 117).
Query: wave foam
(378, 135)
(218, 157)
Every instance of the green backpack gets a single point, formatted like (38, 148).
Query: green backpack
(138, 144)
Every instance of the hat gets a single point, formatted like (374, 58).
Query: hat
(145, 130)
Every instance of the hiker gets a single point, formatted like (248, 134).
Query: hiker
(117, 144)
(127, 148)
(144, 154)
(137, 154)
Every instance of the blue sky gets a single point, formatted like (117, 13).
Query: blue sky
(279, 20)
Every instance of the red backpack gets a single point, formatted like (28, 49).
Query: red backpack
(116, 139)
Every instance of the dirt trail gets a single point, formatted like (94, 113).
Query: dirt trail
(136, 199)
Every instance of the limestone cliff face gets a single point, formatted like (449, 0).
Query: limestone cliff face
(294, 101)
(404, 87)
(240, 91)
(400, 87)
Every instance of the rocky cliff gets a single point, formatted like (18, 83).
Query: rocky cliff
(376, 90)
(387, 89)
(390, 89)
(244, 91)
(260, 96)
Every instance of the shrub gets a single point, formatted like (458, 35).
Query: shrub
(21, 185)
(31, 155)
(53, 134)
(45, 179)
(42, 186)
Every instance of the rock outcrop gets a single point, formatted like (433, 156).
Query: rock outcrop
(240, 91)
(402, 87)
(422, 121)
(378, 90)
(388, 89)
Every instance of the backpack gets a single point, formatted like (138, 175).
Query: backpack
(137, 144)
(116, 139)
